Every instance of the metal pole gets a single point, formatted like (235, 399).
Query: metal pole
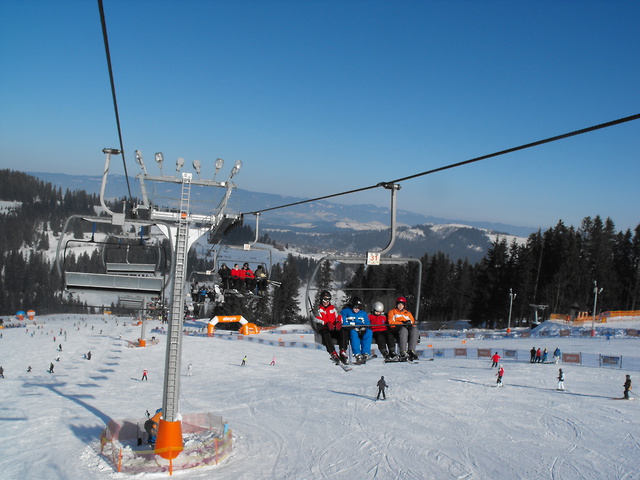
(595, 302)
(511, 297)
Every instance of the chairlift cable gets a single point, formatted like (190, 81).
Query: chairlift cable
(525, 146)
(466, 162)
(113, 91)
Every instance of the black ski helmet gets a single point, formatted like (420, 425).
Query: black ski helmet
(325, 295)
(356, 302)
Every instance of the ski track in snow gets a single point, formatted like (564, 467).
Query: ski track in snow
(306, 419)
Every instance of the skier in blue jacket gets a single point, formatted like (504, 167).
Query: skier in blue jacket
(360, 334)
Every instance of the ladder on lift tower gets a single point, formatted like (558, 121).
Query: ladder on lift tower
(177, 309)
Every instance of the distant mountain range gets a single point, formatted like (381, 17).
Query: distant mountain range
(322, 226)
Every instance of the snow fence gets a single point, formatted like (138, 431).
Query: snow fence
(428, 352)
(207, 441)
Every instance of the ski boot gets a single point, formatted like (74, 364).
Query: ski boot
(334, 358)
(359, 359)
(392, 357)
(413, 356)
(344, 358)
(403, 357)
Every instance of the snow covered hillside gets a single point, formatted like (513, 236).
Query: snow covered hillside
(305, 418)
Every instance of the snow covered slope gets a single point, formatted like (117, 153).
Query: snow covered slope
(305, 418)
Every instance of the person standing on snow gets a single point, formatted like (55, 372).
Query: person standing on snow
(560, 380)
(51, 368)
(151, 428)
(538, 356)
(381, 386)
(329, 326)
(403, 327)
(1, 372)
(556, 355)
(354, 318)
(500, 375)
(496, 360)
(533, 354)
(190, 370)
(381, 334)
(627, 387)
(273, 360)
(244, 361)
(545, 354)
(144, 375)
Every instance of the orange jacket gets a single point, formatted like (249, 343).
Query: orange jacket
(399, 317)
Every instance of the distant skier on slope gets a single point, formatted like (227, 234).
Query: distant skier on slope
(329, 325)
(495, 360)
(500, 374)
(627, 387)
(556, 355)
(381, 386)
(244, 361)
(560, 380)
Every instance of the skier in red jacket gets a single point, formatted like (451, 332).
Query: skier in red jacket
(496, 360)
(329, 327)
(381, 334)
(500, 375)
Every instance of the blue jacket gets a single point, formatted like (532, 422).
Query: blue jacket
(351, 318)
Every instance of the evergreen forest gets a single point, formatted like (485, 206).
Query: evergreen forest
(557, 270)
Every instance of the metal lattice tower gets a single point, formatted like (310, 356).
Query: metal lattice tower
(174, 334)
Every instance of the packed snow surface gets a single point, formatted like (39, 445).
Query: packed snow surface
(305, 418)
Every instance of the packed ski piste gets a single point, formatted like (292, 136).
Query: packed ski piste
(432, 419)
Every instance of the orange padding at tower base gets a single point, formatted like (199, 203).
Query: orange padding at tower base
(169, 439)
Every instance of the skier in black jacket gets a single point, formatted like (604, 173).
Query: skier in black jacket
(381, 386)
(627, 387)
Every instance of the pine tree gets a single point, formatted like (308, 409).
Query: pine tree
(323, 280)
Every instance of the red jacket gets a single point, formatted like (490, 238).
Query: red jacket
(378, 322)
(330, 316)
(247, 273)
(496, 358)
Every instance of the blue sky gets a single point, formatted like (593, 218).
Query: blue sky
(319, 97)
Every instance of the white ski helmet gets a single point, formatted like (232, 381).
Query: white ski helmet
(378, 307)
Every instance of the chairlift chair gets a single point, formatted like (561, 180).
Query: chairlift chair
(116, 276)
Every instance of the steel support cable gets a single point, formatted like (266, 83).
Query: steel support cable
(525, 146)
(466, 162)
(113, 90)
